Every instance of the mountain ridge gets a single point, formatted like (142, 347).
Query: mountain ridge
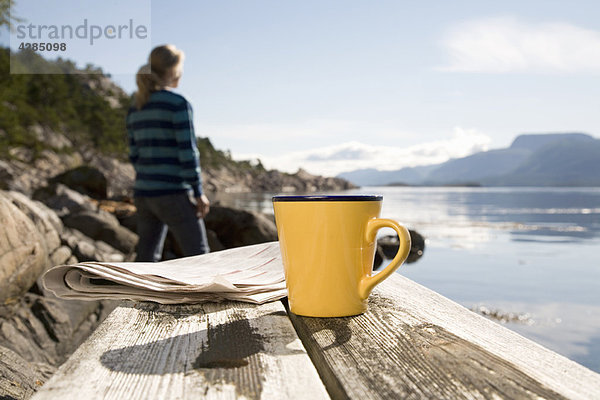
(548, 159)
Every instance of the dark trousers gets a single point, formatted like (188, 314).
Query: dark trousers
(176, 212)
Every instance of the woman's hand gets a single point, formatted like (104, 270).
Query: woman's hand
(202, 206)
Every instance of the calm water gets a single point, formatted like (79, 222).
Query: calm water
(533, 252)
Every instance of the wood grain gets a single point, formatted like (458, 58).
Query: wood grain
(415, 344)
(214, 351)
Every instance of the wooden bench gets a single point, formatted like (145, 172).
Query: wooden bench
(411, 344)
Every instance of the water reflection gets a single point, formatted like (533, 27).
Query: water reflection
(555, 212)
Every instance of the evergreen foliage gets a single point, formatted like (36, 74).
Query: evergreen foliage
(64, 101)
(213, 158)
(6, 19)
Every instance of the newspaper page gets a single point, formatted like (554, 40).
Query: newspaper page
(252, 274)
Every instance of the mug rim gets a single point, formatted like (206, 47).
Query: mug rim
(354, 197)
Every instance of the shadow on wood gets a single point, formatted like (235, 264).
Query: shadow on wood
(211, 350)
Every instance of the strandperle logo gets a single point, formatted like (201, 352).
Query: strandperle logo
(87, 31)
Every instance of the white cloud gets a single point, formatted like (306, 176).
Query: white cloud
(332, 160)
(501, 45)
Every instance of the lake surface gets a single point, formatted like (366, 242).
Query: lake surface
(532, 254)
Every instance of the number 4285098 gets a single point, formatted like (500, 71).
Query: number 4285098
(43, 46)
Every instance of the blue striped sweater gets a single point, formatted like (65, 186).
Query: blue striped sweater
(162, 146)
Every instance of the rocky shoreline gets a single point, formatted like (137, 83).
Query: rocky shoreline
(39, 331)
(111, 177)
(63, 207)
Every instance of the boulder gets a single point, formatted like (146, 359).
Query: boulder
(20, 379)
(47, 222)
(23, 251)
(43, 329)
(84, 179)
(85, 251)
(213, 241)
(22, 174)
(119, 174)
(102, 226)
(84, 248)
(417, 246)
(235, 228)
(60, 256)
(387, 247)
(62, 199)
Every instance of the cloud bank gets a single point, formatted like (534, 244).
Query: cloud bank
(348, 156)
(504, 45)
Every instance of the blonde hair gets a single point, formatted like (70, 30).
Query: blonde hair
(164, 65)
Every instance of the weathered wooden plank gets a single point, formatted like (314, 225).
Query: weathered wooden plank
(214, 351)
(413, 344)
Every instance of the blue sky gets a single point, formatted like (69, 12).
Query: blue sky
(337, 85)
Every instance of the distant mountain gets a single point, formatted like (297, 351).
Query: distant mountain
(570, 161)
(536, 142)
(476, 167)
(562, 159)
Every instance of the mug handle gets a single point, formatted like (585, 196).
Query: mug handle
(367, 283)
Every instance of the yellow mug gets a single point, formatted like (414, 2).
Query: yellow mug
(327, 247)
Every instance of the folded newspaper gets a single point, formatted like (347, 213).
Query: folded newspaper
(252, 274)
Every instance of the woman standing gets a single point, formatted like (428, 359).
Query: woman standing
(162, 149)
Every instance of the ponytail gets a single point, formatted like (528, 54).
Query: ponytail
(146, 85)
(163, 65)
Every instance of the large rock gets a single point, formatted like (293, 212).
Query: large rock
(84, 179)
(387, 247)
(37, 330)
(87, 249)
(23, 251)
(24, 174)
(48, 223)
(61, 255)
(102, 226)
(43, 329)
(20, 379)
(51, 228)
(236, 228)
(62, 199)
(119, 173)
